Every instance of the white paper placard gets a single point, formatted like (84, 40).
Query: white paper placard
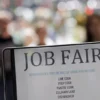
(58, 72)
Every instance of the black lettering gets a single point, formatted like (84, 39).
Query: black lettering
(87, 57)
(32, 59)
(77, 56)
(63, 56)
(95, 55)
(26, 61)
(49, 58)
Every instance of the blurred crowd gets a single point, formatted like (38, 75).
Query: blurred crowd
(41, 26)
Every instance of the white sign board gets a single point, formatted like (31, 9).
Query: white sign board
(58, 72)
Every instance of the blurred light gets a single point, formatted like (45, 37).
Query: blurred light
(89, 11)
(71, 22)
(26, 13)
(78, 5)
(73, 4)
(61, 6)
(70, 5)
(92, 4)
(18, 11)
(69, 14)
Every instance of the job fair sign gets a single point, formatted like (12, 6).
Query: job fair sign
(68, 72)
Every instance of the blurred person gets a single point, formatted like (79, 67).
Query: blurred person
(14, 31)
(41, 30)
(74, 33)
(46, 14)
(5, 41)
(93, 28)
(30, 38)
(22, 33)
(21, 30)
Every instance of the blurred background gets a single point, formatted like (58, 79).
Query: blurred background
(49, 22)
(45, 22)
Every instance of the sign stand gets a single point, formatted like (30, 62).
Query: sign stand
(61, 72)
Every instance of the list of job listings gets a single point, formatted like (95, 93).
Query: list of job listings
(65, 88)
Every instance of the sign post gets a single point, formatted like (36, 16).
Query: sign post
(57, 72)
